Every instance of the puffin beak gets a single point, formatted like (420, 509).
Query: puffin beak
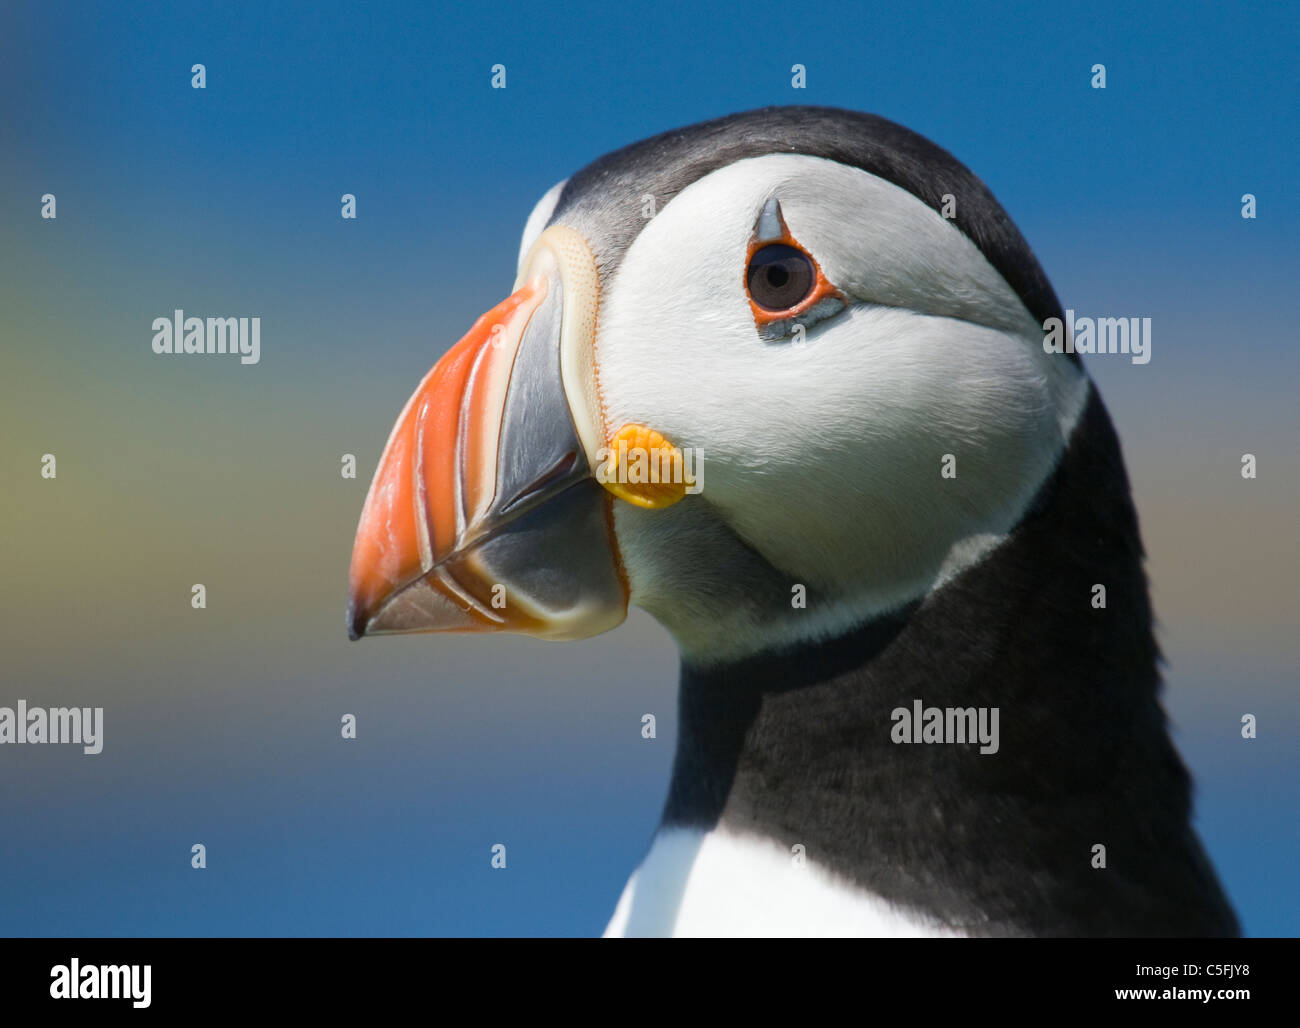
(484, 514)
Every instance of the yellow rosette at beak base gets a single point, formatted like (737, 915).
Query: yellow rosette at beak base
(643, 468)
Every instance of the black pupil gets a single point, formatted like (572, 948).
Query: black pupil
(779, 277)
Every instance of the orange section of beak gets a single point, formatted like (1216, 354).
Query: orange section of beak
(419, 496)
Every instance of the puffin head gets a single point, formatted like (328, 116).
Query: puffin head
(768, 377)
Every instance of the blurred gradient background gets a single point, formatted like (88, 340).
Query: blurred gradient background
(222, 725)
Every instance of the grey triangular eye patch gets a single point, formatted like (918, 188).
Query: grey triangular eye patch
(771, 223)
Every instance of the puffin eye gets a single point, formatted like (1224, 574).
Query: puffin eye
(788, 293)
(780, 277)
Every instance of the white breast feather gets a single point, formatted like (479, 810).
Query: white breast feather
(694, 884)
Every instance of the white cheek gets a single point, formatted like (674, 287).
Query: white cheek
(828, 457)
(852, 484)
(675, 329)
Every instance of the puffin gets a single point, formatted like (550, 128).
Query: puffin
(780, 379)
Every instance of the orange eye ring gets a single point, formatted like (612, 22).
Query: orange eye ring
(819, 289)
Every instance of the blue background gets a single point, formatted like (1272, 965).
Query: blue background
(222, 724)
